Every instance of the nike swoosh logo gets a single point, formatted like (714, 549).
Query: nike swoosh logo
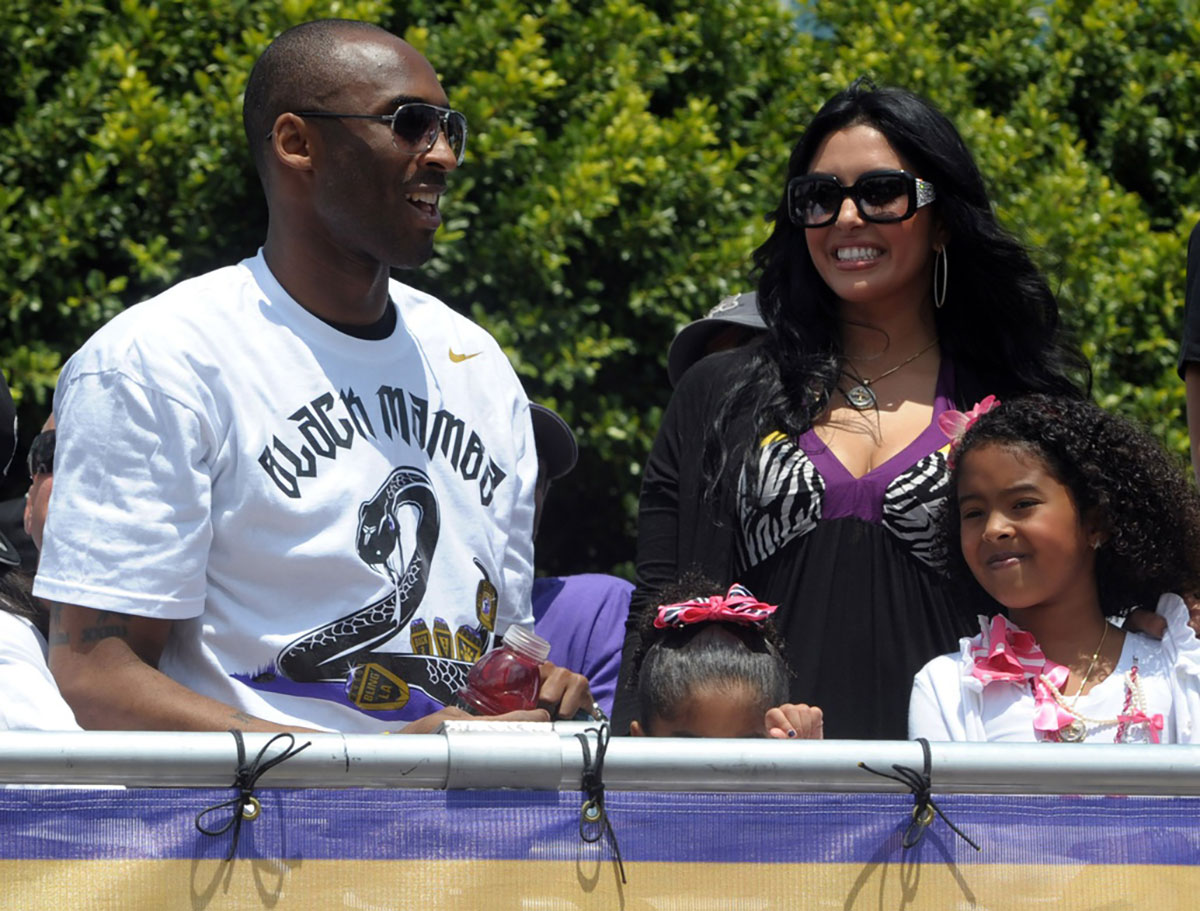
(459, 358)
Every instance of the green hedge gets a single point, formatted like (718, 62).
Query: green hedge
(622, 157)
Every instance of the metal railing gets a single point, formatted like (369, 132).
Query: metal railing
(550, 757)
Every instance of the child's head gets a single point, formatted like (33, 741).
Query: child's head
(703, 674)
(1054, 497)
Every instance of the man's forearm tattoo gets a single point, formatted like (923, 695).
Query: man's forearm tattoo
(244, 718)
(96, 633)
(108, 625)
(58, 636)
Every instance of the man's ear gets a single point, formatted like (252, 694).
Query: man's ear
(292, 142)
(635, 729)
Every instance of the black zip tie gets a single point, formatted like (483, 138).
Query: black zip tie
(923, 804)
(594, 823)
(245, 804)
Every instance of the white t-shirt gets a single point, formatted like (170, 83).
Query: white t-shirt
(332, 522)
(29, 697)
(948, 703)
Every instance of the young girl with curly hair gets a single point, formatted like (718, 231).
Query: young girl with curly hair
(1067, 518)
(711, 666)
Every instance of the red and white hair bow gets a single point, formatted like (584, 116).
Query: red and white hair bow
(736, 606)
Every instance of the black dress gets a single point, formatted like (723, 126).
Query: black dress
(862, 605)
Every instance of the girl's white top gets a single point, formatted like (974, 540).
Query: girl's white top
(948, 703)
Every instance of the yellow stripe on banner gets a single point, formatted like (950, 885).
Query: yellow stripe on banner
(163, 885)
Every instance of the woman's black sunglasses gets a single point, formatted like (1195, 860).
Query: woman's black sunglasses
(815, 200)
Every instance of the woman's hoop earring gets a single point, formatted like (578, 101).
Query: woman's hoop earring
(939, 288)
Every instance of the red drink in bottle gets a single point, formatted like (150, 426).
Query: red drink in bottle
(506, 679)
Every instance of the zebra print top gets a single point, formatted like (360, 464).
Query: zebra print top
(800, 482)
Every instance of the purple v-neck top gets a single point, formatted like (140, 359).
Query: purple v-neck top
(846, 495)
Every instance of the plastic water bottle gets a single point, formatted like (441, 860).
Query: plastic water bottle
(506, 679)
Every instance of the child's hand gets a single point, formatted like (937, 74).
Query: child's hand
(802, 722)
(1193, 606)
(1146, 622)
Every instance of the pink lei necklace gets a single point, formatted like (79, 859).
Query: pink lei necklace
(1003, 651)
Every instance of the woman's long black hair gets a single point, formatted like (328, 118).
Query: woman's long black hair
(1000, 318)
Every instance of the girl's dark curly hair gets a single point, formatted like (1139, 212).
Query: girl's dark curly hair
(1000, 316)
(1143, 502)
(673, 663)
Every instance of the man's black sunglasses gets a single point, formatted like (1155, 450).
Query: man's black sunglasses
(815, 200)
(417, 124)
(41, 454)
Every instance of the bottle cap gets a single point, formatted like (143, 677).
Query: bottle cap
(527, 643)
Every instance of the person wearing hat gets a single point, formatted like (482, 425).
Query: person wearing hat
(581, 616)
(29, 697)
(734, 322)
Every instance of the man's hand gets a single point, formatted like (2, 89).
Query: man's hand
(564, 692)
(800, 722)
(430, 723)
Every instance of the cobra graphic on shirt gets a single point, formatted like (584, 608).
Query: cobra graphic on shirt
(397, 537)
(381, 658)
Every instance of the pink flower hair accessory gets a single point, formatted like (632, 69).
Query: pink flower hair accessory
(735, 606)
(955, 424)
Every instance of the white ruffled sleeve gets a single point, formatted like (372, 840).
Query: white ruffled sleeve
(946, 701)
(1182, 650)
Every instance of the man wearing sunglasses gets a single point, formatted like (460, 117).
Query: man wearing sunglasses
(295, 493)
(41, 474)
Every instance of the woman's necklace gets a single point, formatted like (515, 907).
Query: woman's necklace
(861, 396)
(1076, 731)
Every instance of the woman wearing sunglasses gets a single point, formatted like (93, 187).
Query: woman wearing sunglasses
(810, 467)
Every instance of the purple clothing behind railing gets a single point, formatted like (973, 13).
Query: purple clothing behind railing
(583, 618)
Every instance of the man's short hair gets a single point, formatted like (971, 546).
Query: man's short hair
(296, 72)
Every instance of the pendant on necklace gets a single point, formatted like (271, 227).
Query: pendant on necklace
(1075, 732)
(861, 397)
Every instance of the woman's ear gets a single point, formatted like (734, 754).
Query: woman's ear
(941, 236)
(635, 729)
